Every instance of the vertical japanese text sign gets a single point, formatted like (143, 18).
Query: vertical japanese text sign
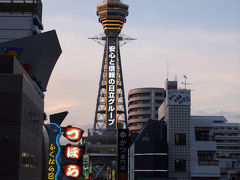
(122, 158)
(111, 81)
(72, 152)
(54, 151)
(86, 166)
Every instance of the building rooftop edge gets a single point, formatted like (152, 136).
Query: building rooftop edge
(144, 88)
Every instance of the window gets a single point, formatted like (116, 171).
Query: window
(159, 94)
(29, 160)
(159, 101)
(180, 165)
(180, 139)
(207, 158)
(202, 134)
(205, 155)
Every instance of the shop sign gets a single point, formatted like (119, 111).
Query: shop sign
(72, 171)
(73, 134)
(72, 152)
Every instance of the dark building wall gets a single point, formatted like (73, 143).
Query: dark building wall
(31, 130)
(149, 152)
(10, 108)
(21, 121)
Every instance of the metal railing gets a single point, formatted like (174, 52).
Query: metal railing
(208, 162)
(205, 138)
(20, 1)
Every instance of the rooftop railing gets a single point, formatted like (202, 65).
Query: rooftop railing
(22, 6)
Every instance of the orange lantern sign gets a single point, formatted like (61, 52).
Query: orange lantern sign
(73, 134)
(72, 171)
(72, 152)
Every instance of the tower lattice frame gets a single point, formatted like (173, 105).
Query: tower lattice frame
(111, 105)
(100, 113)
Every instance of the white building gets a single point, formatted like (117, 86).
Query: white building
(176, 112)
(204, 164)
(191, 149)
(227, 137)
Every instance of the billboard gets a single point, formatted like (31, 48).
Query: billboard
(179, 97)
(111, 81)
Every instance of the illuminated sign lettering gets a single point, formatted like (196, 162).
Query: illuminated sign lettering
(72, 171)
(72, 152)
(54, 151)
(111, 83)
(73, 134)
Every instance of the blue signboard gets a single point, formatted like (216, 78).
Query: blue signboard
(54, 151)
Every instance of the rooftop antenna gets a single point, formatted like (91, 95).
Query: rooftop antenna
(185, 82)
(175, 77)
(167, 70)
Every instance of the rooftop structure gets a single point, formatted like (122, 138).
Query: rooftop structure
(33, 7)
(39, 53)
(20, 18)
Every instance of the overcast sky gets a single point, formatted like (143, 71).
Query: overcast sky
(198, 38)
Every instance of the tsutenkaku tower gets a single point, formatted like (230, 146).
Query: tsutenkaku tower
(111, 107)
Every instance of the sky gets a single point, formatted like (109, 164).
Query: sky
(199, 39)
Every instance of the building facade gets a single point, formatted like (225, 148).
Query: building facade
(22, 117)
(177, 116)
(149, 153)
(227, 138)
(191, 154)
(27, 58)
(204, 163)
(143, 104)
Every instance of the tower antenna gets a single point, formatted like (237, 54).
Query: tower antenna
(167, 69)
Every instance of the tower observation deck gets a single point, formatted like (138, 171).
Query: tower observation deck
(111, 107)
(112, 14)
